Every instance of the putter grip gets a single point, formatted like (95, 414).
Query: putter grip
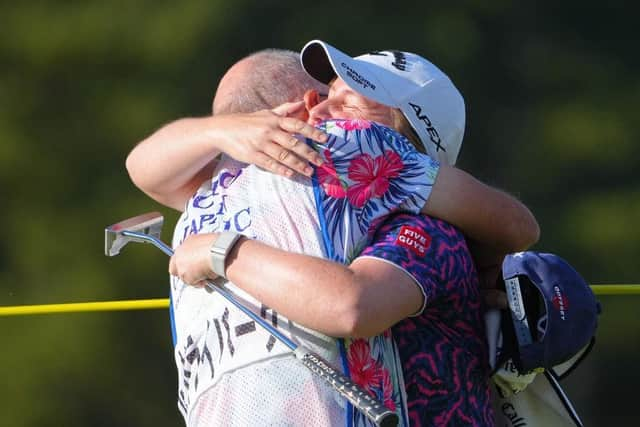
(363, 401)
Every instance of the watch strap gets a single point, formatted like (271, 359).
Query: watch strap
(220, 249)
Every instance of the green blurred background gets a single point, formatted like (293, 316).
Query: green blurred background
(552, 93)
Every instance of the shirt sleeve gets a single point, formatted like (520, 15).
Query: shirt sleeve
(369, 171)
(374, 164)
(407, 242)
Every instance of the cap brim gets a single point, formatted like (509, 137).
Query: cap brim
(314, 57)
(324, 62)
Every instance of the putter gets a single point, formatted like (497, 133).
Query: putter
(146, 228)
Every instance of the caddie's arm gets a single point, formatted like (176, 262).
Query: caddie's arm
(359, 300)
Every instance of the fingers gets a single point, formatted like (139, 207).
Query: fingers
(189, 279)
(190, 261)
(295, 126)
(200, 283)
(289, 108)
(293, 153)
(494, 298)
(270, 164)
(290, 151)
(173, 270)
(281, 139)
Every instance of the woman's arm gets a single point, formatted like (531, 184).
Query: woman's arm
(173, 162)
(497, 220)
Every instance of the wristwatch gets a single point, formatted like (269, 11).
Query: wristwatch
(220, 249)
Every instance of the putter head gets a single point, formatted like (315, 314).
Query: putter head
(149, 223)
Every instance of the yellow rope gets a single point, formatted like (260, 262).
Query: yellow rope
(150, 304)
(143, 304)
(616, 289)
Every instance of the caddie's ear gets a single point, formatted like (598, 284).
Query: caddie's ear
(292, 109)
(311, 99)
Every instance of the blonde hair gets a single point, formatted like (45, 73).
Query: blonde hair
(402, 125)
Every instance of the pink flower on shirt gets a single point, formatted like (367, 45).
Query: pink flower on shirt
(387, 391)
(371, 176)
(365, 371)
(355, 124)
(329, 179)
(368, 373)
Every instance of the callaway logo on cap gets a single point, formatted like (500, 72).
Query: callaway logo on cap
(425, 95)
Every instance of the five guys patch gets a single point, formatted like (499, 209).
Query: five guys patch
(415, 239)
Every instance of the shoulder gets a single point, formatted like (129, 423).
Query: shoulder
(360, 151)
(370, 136)
(429, 246)
(404, 224)
(417, 243)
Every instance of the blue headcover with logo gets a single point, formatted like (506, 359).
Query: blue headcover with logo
(567, 318)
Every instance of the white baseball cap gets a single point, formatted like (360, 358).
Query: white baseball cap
(425, 95)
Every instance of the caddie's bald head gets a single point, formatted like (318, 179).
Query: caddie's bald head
(263, 80)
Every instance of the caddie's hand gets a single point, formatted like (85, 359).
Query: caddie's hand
(492, 287)
(268, 139)
(191, 260)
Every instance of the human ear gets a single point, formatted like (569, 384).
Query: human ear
(311, 99)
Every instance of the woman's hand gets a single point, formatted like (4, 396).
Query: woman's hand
(266, 139)
(191, 260)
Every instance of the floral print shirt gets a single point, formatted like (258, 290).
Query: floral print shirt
(369, 172)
